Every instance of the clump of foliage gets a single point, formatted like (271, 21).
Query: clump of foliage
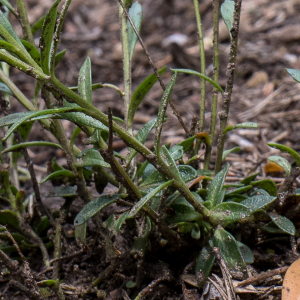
(161, 197)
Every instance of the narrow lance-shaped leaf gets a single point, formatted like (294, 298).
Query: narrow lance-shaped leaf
(135, 13)
(85, 81)
(139, 205)
(141, 136)
(93, 207)
(227, 12)
(294, 73)
(47, 36)
(166, 156)
(8, 5)
(162, 111)
(30, 115)
(241, 125)
(216, 186)
(266, 184)
(230, 212)
(282, 162)
(192, 72)
(30, 144)
(34, 53)
(6, 28)
(4, 88)
(283, 223)
(257, 202)
(288, 150)
(140, 93)
(204, 263)
(230, 252)
(58, 175)
(91, 158)
(227, 152)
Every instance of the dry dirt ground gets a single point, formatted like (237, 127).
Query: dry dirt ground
(263, 93)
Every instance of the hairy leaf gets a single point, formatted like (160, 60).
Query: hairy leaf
(282, 162)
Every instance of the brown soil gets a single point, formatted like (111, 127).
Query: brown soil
(263, 93)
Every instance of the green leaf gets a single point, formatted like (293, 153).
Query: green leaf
(294, 73)
(8, 5)
(288, 150)
(166, 156)
(232, 150)
(63, 191)
(249, 179)
(38, 24)
(185, 227)
(34, 53)
(81, 119)
(196, 233)
(59, 56)
(141, 136)
(48, 283)
(187, 144)
(162, 112)
(4, 88)
(130, 284)
(187, 173)
(47, 36)
(185, 217)
(216, 186)
(85, 81)
(93, 207)
(246, 253)
(272, 228)
(23, 117)
(140, 94)
(9, 218)
(5, 27)
(257, 202)
(266, 184)
(282, 162)
(58, 175)
(240, 190)
(91, 158)
(30, 144)
(229, 212)
(139, 205)
(56, 166)
(80, 233)
(192, 72)
(43, 225)
(230, 252)
(135, 13)
(204, 263)
(176, 152)
(227, 12)
(283, 223)
(241, 125)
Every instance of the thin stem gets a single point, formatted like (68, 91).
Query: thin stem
(216, 11)
(202, 62)
(23, 19)
(126, 65)
(223, 115)
(177, 114)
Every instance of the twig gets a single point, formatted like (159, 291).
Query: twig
(101, 277)
(44, 210)
(176, 112)
(147, 290)
(21, 274)
(67, 256)
(223, 115)
(262, 276)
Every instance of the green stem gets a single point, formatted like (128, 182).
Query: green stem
(126, 65)
(202, 62)
(23, 19)
(216, 11)
(223, 115)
